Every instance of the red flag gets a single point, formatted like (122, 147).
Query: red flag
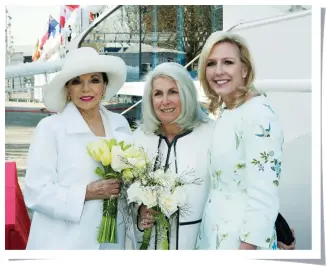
(72, 7)
(44, 39)
(65, 12)
(91, 16)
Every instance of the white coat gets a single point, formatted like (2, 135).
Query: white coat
(58, 172)
(186, 151)
(245, 168)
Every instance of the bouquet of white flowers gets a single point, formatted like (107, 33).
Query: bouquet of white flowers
(163, 191)
(117, 160)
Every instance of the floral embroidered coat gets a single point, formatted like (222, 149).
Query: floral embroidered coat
(245, 168)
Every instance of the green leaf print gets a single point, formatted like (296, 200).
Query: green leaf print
(246, 236)
(276, 183)
(255, 162)
(237, 140)
(224, 236)
(240, 165)
(216, 179)
(265, 156)
(218, 240)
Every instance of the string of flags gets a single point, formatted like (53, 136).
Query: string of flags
(54, 29)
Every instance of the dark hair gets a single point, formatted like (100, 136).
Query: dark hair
(104, 76)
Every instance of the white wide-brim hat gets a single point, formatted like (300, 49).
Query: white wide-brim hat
(82, 61)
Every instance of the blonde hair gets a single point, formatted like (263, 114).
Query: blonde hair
(245, 58)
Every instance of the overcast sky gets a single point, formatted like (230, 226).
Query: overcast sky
(30, 22)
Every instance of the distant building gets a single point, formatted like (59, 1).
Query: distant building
(27, 50)
(22, 54)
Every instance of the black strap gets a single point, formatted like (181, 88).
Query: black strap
(189, 223)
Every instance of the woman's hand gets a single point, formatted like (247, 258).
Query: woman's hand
(145, 218)
(281, 245)
(246, 246)
(103, 189)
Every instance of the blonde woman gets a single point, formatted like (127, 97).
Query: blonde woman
(246, 157)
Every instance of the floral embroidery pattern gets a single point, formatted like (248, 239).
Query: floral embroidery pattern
(216, 179)
(277, 167)
(228, 170)
(238, 137)
(266, 158)
(245, 236)
(272, 241)
(209, 152)
(238, 167)
(270, 108)
(282, 143)
(265, 132)
(276, 182)
(218, 240)
(268, 240)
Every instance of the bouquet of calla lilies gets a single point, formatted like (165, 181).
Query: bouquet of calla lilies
(117, 160)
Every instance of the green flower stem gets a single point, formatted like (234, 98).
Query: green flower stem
(146, 238)
(113, 230)
(102, 229)
(107, 232)
(163, 227)
(163, 230)
(165, 243)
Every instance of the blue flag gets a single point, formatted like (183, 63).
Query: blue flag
(52, 26)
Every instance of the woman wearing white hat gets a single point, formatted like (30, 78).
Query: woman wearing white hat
(60, 184)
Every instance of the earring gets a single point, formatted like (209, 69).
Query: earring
(102, 97)
(68, 98)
